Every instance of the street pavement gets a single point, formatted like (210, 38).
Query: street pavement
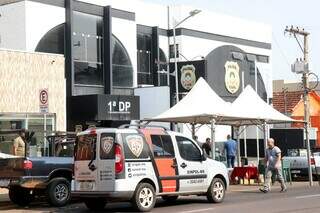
(299, 198)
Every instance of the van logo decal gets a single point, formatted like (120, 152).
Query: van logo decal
(135, 144)
(107, 144)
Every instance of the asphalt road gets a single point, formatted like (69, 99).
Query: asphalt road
(246, 199)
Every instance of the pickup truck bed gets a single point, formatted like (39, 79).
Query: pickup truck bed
(29, 177)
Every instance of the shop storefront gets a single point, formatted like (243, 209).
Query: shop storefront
(41, 124)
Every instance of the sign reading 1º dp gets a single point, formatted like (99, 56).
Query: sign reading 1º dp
(44, 100)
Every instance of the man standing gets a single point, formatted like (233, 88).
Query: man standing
(230, 147)
(19, 144)
(273, 165)
(207, 146)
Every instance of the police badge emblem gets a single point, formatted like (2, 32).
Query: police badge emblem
(188, 76)
(135, 144)
(232, 77)
(107, 144)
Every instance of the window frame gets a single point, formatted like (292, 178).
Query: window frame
(194, 144)
(172, 155)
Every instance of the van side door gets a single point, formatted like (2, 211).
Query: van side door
(191, 166)
(166, 164)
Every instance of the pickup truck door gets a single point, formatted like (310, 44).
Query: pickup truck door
(192, 169)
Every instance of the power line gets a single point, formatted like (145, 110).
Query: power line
(281, 51)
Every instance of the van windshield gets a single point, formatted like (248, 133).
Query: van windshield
(85, 147)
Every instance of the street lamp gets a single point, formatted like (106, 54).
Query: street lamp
(191, 14)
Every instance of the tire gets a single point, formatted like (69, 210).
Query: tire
(144, 197)
(59, 192)
(96, 204)
(216, 191)
(169, 199)
(20, 196)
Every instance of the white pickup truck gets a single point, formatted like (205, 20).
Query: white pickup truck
(299, 162)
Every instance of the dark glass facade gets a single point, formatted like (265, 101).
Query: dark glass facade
(87, 49)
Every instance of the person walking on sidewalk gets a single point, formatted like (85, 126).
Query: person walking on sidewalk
(273, 166)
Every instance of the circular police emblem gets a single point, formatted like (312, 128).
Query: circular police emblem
(188, 76)
(232, 77)
(135, 144)
(107, 144)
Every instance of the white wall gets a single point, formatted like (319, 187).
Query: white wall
(126, 32)
(40, 18)
(13, 26)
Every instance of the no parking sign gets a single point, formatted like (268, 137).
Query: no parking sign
(44, 100)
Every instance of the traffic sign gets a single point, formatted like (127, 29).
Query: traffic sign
(44, 100)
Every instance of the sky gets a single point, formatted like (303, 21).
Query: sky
(278, 14)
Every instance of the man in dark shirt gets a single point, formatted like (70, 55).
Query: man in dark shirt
(207, 146)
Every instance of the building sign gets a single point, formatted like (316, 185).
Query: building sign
(44, 101)
(105, 107)
(188, 76)
(232, 76)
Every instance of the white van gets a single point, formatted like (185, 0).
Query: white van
(138, 165)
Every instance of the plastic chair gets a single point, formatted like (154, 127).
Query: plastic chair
(286, 171)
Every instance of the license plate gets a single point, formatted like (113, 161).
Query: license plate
(4, 183)
(295, 171)
(87, 186)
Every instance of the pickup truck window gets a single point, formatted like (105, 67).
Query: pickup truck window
(188, 150)
(84, 149)
(162, 146)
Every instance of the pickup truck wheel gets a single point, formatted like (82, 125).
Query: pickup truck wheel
(216, 191)
(169, 198)
(95, 204)
(20, 196)
(59, 192)
(144, 197)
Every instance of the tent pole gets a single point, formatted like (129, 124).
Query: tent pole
(213, 147)
(236, 128)
(193, 128)
(265, 131)
(245, 141)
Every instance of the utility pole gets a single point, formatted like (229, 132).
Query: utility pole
(305, 73)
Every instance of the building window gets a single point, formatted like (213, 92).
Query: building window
(162, 68)
(144, 59)
(87, 49)
(122, 69)
(52, 41)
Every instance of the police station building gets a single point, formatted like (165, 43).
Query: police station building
(118, 55)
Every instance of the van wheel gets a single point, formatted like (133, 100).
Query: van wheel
(59, 192)
(20, 196)
(216, 191)
(144, 197)
(169, 198)
(95, 204)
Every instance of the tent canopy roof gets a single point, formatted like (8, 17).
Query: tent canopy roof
(202, 104)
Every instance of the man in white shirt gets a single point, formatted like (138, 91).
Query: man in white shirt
(19, 145)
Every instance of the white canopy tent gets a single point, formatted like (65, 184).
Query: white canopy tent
(203, 106)
(200, 105)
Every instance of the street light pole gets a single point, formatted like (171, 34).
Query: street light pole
(191, 14)
(175, 63)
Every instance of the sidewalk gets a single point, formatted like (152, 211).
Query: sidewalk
(255, 186)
